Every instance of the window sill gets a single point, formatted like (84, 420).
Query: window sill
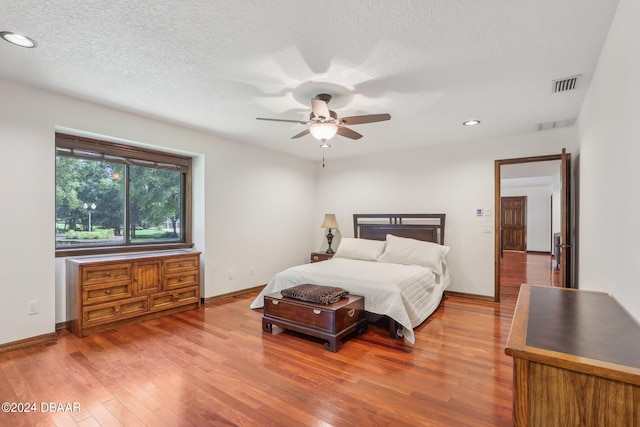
(61, 253)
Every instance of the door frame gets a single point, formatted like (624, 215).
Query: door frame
(497, 206)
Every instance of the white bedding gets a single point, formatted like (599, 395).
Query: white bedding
(407, 294)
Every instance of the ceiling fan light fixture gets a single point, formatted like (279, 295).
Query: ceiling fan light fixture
(18, 39)
(324, 124)
(323, 131)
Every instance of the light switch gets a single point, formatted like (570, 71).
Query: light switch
(34, 307)
(487, 211)
(488, 229)
(478, 211)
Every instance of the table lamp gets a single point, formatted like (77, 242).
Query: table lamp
(329, 222)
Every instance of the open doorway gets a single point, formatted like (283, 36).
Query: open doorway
(531, 190)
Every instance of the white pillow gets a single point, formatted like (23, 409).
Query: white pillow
(364, 249)
(401, 250)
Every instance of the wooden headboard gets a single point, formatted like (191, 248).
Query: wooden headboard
(427, 227)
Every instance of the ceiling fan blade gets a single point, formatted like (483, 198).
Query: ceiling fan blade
(320, 108)
(303, 133)
(346, 132)
(369, 118)
(284, 120)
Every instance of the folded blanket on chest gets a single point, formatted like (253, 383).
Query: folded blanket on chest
(315, 293)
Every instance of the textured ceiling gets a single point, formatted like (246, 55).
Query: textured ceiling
(216, 66)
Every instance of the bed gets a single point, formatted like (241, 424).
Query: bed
(396, 261)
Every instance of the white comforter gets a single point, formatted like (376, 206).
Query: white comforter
(407, 294)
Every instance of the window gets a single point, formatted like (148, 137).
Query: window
(113, 197)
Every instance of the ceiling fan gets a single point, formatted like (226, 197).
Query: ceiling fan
(324, 124)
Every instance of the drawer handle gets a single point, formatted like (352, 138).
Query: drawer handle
(175, 297)
(351, 312)
(108, 291)
(107, 274)
(116, 310)
(316, 311)
(181, 279)
(275, 302)
(181, 265)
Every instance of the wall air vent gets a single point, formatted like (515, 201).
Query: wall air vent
(568, 83)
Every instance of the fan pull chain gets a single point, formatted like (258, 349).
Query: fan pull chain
(323, 157)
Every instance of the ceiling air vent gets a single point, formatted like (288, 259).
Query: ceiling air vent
(568, 83)
(557, 124)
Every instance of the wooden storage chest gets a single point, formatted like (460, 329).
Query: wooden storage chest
(332, 322)
(105, 292)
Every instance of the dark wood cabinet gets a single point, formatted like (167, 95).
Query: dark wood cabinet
(105, 292)
(576, 360)
(320, 256)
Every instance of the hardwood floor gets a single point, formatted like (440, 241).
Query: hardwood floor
(526, 267)
(215, 366)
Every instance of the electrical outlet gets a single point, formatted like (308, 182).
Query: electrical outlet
(33, 307)
(251, 271)
(230, 274)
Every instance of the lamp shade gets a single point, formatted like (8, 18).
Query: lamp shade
(323, 131)
(329, 221)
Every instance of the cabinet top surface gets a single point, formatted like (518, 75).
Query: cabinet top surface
(585, 324)
(131, 256)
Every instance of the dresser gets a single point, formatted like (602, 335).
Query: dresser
(576, 360)
(106, 292)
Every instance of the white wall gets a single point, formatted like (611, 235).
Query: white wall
(609, 138)
(556, 209)
(451, 179)
(538, 215)
(241, 194)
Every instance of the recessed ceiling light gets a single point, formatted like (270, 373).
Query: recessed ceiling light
(18, 39)
(471, 122)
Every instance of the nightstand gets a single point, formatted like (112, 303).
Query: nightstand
(320, 256)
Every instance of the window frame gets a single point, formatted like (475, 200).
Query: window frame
(95, 149)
